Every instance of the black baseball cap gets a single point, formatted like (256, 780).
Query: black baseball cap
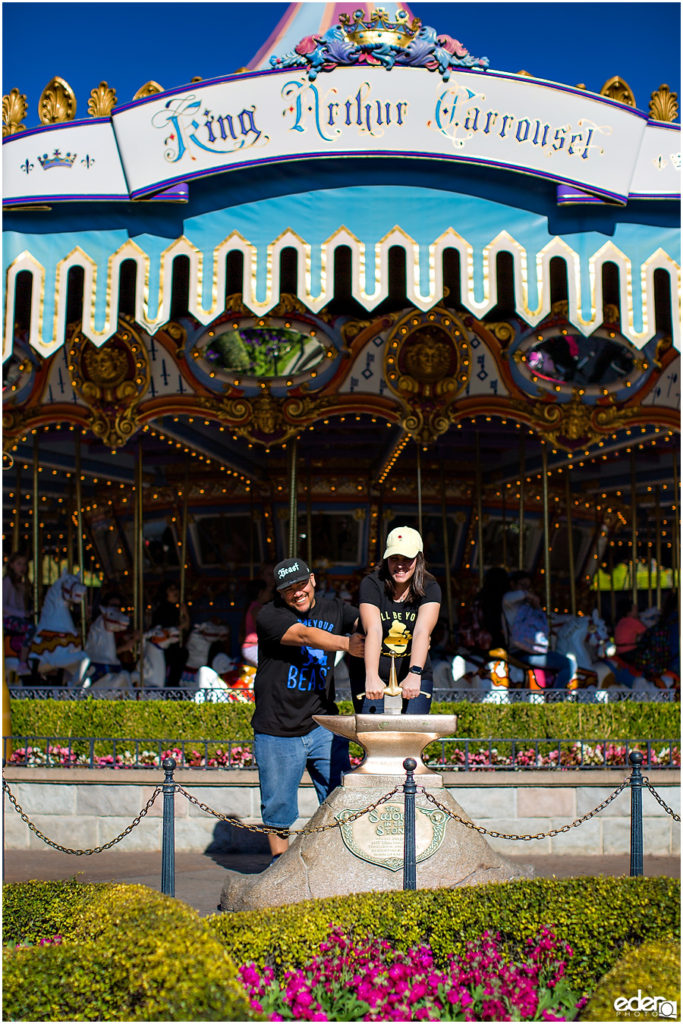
(290, 570)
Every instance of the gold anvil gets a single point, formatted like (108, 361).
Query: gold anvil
(388, 739)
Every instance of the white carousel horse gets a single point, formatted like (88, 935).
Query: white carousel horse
(199, 643)
(586, 640)
(104, 671)
(214, 689)
(156, 640)
(56, 644)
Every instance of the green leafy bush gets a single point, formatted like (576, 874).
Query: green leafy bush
(581, 911)
(174, 721)
(128, 953)
(653, 969)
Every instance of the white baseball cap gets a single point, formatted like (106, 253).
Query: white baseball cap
(403, 541)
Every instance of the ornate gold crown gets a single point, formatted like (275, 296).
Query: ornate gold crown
(378, 30)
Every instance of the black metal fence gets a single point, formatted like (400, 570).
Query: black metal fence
(450, 754)
(235, 695)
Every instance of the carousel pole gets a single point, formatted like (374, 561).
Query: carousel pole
(79, 531)
(612, 594)
(309, 521)
(70, 533)
(546, 533)
(419, 487)
(480, 523)
(570, 546)
(183, 535)
(522, 472)
(675, 562)
(658, 547)
(634, 532)
(446, 556)
(16, 529)
(36, 536)
(505, 528)
(293, 503)
(138, 565)
(251, 532)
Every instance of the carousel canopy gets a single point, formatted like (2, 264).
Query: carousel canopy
(355, 135)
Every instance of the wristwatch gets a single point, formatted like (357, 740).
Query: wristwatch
(417, 669)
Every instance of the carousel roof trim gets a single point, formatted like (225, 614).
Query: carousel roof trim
(363, 219)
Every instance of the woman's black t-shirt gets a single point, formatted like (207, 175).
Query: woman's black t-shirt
(398, 620)
(294, 683)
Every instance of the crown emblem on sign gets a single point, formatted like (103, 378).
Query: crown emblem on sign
(56, 160)
(378, 29)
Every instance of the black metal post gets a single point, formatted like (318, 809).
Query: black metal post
(409, 790)
(168, 829)
(636, 759)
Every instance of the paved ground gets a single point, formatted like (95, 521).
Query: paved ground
(199, 877)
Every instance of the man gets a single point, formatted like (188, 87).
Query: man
(298, 637)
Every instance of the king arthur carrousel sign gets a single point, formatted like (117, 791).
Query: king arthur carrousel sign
(367, 87)
(493, 119)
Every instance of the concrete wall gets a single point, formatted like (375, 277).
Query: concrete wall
(85, 808)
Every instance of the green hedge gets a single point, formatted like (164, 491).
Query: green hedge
(653, 969)
(129, 953)
(598, 917)
(185, 720)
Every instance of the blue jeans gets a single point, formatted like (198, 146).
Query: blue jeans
(557, 663)
(281, 761)
(419, 705)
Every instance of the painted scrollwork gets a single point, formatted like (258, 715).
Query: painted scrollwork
(57, 102)
(111, 381)
(14, 107)
(426, 364)
(573, 424)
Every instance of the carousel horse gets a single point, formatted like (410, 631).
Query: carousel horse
(56, 644)
(156, 640)
(585, 639)
(104, 671)
(199, 643)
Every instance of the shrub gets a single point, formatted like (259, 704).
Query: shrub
(173, 721)
(580, 911)
(127, 953)
(654, 969)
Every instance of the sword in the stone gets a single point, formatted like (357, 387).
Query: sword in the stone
(393, 697)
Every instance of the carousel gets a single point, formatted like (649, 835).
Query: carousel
(365, 279)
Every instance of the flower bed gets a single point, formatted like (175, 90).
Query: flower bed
(453, 757)
(370, 980)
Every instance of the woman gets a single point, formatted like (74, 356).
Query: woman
(258, 594)
(170, 612)
(16, 609)
(399, 608)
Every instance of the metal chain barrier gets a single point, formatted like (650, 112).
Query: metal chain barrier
(539, 835)
(269, 830)
(646, 782)
(65, 849)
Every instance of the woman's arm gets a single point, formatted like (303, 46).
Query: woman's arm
(427, 618)
(372, 624)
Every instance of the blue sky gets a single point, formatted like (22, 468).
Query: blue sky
(127, 44)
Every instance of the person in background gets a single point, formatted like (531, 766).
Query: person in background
(527, 630)
(298, 636)
(258, 593)
(168, 611)
(399, 608)
(16, 609)
(628, 629)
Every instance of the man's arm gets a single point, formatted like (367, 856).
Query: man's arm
(299, 635)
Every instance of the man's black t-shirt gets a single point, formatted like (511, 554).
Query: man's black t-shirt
(294, 683)
(398, 620)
